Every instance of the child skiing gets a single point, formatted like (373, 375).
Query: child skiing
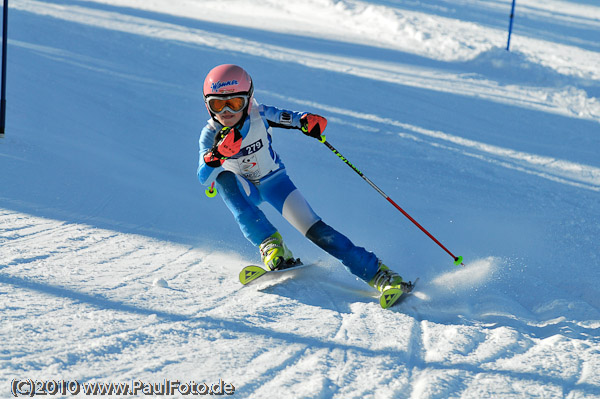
(236, 153)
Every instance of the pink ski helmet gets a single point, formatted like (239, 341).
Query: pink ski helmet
(226, 80)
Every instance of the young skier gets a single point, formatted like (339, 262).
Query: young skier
(236, 153)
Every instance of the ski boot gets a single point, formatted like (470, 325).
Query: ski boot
(275, 254)
(390, 285)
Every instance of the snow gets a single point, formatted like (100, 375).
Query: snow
(115, 266)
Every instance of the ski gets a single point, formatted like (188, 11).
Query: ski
(251, 273)
(390, 297)
(387, 299)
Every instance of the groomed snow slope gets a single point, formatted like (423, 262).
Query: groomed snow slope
(114, 266)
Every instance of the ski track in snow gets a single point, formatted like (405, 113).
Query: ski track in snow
(79, 301)
(98, 285)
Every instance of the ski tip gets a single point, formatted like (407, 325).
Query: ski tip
(251, 273)
(389, 297)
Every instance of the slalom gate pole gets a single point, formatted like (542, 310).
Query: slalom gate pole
(3, 78)
(458, 260)
(510, 25)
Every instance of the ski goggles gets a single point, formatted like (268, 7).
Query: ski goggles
(235, 103)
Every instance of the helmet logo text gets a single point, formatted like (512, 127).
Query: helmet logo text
(217, 85)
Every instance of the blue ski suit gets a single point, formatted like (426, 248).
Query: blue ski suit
(256, 175)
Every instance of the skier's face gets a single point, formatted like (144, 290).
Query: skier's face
(229, 119)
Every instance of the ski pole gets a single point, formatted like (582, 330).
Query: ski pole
(458, 260)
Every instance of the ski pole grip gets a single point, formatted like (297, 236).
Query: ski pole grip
(323, 139)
